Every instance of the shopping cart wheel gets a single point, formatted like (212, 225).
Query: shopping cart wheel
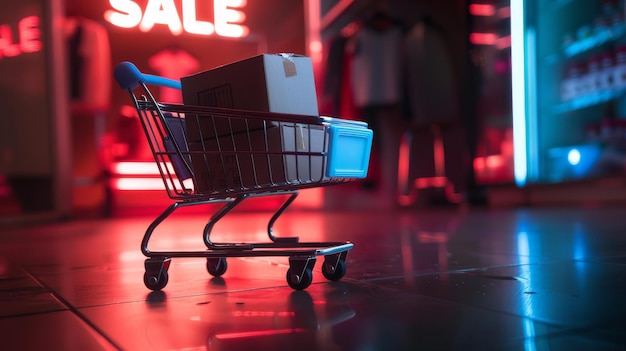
(334, 271)
(156, 276)
(155, 282)
(216, 266)
(300, 272)
(299, 280)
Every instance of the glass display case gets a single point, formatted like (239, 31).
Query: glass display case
(489, 90)
(569, 79)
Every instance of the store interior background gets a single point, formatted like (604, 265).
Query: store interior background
(100, 124)
(77, 142)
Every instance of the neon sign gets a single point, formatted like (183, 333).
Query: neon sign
(29, 38)
(228, 20)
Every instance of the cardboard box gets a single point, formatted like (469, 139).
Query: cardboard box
(280, 83)
(260, 158)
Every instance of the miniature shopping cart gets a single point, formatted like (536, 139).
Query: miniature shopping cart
(217, 155)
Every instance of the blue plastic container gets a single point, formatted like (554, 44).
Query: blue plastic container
(349, 148)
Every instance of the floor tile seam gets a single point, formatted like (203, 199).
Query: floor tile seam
(177, 297)
(74, 310)
(578, 331)
(453, 271)
(38, 288)
(477, 269)
(37, 313)
(602, 261)
(564, 328)
(474, 306)
(208, 294)
(564, 331)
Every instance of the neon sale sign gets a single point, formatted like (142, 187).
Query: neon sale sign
(228, 20)
(28, 38)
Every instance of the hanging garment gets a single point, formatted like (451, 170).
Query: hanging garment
(89, 64)
(376, 72)
(333, 75)
(431, 86)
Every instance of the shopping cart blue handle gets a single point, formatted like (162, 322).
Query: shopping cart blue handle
(128, 77)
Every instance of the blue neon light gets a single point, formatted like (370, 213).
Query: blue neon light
(518, 79)
(573, 157)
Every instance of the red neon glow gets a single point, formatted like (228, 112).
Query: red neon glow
(139, 168)
(403, 165)
(311, 198)
(138, 184)
(403, 174)
(252, 334)
(29, 34)
(483, 38)
(504, 42)
(432, 182)
(488, 163)
(190, 22)
(29, 38)
(7, 47)
(313, 32)
(432, 237)
(264, 314)
(482, 10)
(128, 14)
(141, 176)
(228, 19)
(315, 50)
(494, 161)
(161, 12)
(479, 164)
(439, 155)
(504, 12)
(493, 168)
(145, 176)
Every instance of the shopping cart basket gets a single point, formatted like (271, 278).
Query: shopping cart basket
(216, 155)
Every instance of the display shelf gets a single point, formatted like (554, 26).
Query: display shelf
(599, 38)
(553, 6)
(588, 100)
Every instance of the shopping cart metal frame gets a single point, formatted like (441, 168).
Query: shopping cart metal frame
(172, 160)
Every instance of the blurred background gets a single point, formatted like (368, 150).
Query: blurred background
(479, 102)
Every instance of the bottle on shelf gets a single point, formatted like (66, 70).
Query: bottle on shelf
(619, 70)
(592, 133)
(606, 130)
(609, 8)
(601, 26)
(593, 76)
(607, 66)
(572, 82)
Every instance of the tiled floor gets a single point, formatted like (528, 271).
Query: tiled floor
(447, 279)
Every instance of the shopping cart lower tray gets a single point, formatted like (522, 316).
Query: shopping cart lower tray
(215, 155)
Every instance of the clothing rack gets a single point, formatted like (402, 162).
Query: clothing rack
(342, 14)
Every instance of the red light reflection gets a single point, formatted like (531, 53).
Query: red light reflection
(263, 314)
(483, 38)
(258, 333)
(482, 10)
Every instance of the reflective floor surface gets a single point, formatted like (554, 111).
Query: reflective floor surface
(446, 279)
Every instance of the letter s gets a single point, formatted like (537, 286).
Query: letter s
(128, 13)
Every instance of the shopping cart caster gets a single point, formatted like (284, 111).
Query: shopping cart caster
(334, 267)
(156, 276)
(216, 266)
(300, 272)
